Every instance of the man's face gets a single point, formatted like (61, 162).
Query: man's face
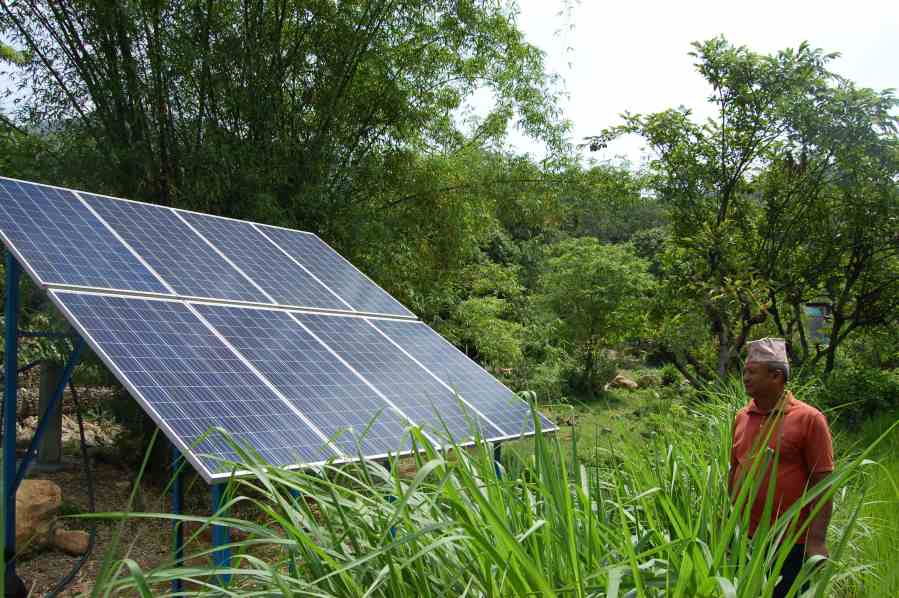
(759, 381)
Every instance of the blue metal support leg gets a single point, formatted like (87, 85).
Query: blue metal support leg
(221, 557)
(177, 506)
(10, 363)
(497, 460)
(74, 358)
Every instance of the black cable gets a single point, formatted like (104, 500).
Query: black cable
(92, 503)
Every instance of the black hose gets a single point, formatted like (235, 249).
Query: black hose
(92, 503)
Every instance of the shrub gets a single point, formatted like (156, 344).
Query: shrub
(858, 392)
(670, 375)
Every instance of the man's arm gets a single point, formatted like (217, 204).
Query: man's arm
(819, 458)
(816, 543)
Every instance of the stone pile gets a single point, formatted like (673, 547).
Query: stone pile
(37, 507)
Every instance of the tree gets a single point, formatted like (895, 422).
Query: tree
(708, 175)
(830, 221)
(609, 202)
(598, 292)
(301, 112)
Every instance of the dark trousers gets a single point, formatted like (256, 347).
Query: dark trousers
(790, 572)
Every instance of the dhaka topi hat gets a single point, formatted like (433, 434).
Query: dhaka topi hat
(768, 350)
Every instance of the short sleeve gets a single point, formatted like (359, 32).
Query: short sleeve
(818, 449)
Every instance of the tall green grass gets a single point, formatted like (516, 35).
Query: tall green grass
(657, 523)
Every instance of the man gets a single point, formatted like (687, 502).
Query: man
(800, 438)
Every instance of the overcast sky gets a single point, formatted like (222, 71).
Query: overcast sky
(633, 54)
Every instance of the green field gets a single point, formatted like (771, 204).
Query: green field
(640, 511)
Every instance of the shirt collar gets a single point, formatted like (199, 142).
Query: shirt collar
(787, 405)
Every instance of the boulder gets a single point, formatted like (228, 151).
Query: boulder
(620, 381)
(74, 542)
(37, 504)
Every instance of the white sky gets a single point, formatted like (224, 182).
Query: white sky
(633, 54)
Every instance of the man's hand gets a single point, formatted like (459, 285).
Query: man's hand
(816, 542)
(816, 547)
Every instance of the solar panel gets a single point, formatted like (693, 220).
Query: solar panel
(417, 394)
(299, 386)
(190, 381)
(335, 271)
(498, 404)
(180, 256)
(324, 389)
(282, 278)
(60, 241)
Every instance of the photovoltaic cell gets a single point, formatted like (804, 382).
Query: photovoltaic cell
(63, 243)
(415, 392)
(477, 387)
(326, 391)
(190, 379)
(268, 266)
(186, 262)
(336, 272)
(278, 381)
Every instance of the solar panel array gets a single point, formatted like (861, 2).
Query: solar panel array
(262, 332)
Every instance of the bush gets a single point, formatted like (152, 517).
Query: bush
(670, 375)
(856, 392)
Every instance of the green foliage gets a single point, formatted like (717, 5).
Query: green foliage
(290, 111)
(609, 203)
(788, 192)
(855, 393)
(670, 375)
(655, 522)
(478, 323)
(597, 292)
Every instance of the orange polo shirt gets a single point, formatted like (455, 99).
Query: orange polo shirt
(803, 440)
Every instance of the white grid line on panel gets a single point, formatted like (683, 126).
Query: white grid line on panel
(365, 380)
(223, 256)
(23, 262)
(438, 379)
(124, 242)
(355, 274)
(268, 383)
(294, 260)
(56, 241)
(483, 371)
(185, 449)
(353, 266)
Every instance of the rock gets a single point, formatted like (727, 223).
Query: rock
(37, 503)
(567, 420)
(620, 381)
(648, 380)
(74, 543)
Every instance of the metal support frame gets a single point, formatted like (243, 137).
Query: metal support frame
(42, 422)
(498, 459)
(13, 475)
(221, 534)
(177, 507)
(10, 363)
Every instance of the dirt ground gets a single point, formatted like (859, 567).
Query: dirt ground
(149, 542)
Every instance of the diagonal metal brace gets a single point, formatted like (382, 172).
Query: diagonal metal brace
(71, 362)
